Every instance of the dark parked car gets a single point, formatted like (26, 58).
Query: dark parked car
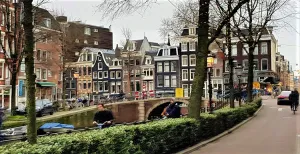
(283, 98)
(42, 107)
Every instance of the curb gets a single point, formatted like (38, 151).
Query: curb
(202, 144)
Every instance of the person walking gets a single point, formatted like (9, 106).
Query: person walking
(294, 98)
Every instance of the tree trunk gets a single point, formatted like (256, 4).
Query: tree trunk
(13, 81)
(29, 69)
(198, 84)
(230, 59)
(250, 72)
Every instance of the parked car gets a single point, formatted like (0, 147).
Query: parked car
(42, 107)
(283, 98)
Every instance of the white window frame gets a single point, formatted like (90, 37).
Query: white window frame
(264, 47)
(255, 52)
(233, 50)
(85, 42)
(47, 22)
(95, 30)
(183, 59)
(187, 74)
(245, 68)
(158, 80)
(120, 75)
(183, 46)
(171, 64)
(257, 64)
(100, 72)
(95, 75)
(111, 73)
(173, 79)
(166, 81)
(166, 66)
(159, 64)
(216, 72)
(105, 76)
(49, 73)
(192, 31)
(192, 46)
(100, 83)
(191, 79)
(185, 87)
(95, 42)
(100, 68)
(148, 61)
(264, 59)
(46, 74)
(3, 67)
(87, 31)
(192, 55)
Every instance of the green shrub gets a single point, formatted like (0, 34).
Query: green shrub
(165, 136)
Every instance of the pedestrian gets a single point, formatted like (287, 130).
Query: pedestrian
(2, 117)
(103, 117)
(172, 110)
(294, 98)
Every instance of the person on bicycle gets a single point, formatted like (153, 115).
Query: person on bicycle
(103, 116)
(172, 110)
(294, 98)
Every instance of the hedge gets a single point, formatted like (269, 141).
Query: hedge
(165, 136)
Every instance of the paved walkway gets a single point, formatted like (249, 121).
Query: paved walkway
(274, 130)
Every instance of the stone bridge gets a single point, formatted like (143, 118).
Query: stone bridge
(141, 110)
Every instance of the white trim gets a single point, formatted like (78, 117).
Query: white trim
(191, 74)
(187, 60)
(190, 61)
(187, 74)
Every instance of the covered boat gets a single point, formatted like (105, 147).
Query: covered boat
(56, 127)
(13, 133)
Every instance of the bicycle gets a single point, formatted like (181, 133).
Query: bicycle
(293, 107)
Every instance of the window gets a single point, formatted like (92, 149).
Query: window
(95, 30)
(192, 31)
(84, 71)
(245, 49)
(37, 72)
(95, 86)
(112, 75)
(47, 22)
(167, 81)
(118, 76)
(160, 81)
(49, 73)
(173, 66)
(100, 65)
(73, 85)
(255, 64)
(185, 88)
(44, 74)
(3, 19)
(234, 50)
(264, 48)
(218, 72)
(95, 75)
(245, 64)
(95, 42)
(89, 85)
(113, 87)
(264, 64)
(185, 74)
(193, 60)
(44, 56)
(173, 51)
(105, 74)
(173, 81)
(100, 75)
(1, 69)
(22, 67)
(77, 41)
(159, 67)
(137, 86)
(100, 86)
(184, 60)
(87, 31)
(89, 57)
(192, 74)
(255, 50)
(38, 55)
(148, 61)
(105, 85)
(184, 46)
(167, 66)
(192, 46)
(85, 42)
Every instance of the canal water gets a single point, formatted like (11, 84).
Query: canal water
(80, 120)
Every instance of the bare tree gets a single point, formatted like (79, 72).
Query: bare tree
(255, 17)
(115, 7)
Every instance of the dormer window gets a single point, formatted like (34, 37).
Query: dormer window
(192, 31)
(87, 31)
(47, 22)
(148, 61)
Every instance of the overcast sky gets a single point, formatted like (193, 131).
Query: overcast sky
(148, 23)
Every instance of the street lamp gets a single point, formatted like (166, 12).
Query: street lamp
(210, 62)
(239, 72)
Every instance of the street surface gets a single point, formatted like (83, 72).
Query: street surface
(275, 130)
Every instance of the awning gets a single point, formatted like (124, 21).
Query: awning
(46, 84)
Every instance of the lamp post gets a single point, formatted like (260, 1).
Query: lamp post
(239, 71)
(210, 62)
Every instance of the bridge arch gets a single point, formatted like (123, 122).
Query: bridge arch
(163, 103)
